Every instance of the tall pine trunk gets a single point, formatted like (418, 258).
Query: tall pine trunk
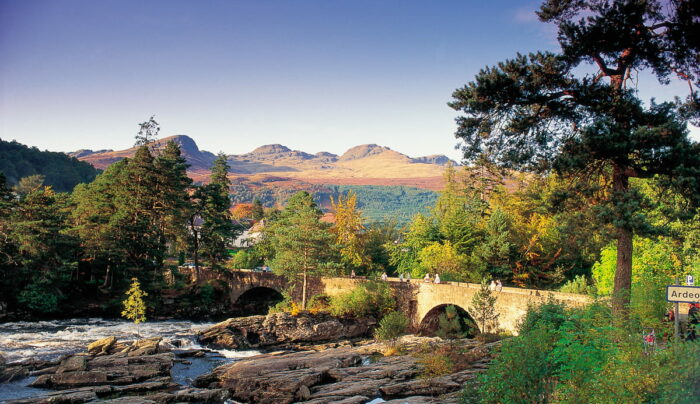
(303, 292)
(623, 270)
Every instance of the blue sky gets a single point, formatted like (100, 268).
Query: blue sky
(310, 74)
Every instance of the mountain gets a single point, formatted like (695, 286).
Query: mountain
(60, 171)
(198, 160)
(368, 164)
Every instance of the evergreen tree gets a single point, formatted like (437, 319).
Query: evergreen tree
(172, 201)
(217, 230)
(97, 218)
(302, 243)
(534, 113)
(492, 256)
(137, 209)
(483, 309)
(258, 211)
(148, 132)
(45, 255)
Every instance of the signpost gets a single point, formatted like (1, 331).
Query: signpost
(681, 294)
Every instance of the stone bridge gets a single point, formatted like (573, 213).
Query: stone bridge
(421, 302)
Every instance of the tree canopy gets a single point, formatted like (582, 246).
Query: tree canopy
(538, 113)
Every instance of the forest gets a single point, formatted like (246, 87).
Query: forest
(59, 171)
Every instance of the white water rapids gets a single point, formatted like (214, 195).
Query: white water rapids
(49, 340)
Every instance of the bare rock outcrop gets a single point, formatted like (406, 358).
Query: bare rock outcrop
(283, 328)
(339, 375)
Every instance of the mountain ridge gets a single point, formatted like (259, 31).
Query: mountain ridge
(368, 161)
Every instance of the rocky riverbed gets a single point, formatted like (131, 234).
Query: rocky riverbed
(309, 358)
(110, 370)
(349, 374)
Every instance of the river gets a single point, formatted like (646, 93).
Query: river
(49, 340)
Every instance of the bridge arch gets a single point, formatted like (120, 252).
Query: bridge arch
(258, 300)
(430, 322)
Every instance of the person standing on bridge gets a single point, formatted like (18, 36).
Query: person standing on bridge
(426, 278)
(437, 278)
(492, 285)
(408, 277)
(384, 277)
(499, 286)
(352, 274)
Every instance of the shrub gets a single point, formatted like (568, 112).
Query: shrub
(244, 260)
(391, 327)
(576, 355)
(436, 365)
(285, 305)
(578, 285)
(549, 315)
(522, 372)
(318, 303)
(371, 298)
(449, 324)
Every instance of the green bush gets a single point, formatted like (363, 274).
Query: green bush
(371, 298)
(244, 260)
(576, 355)
(578, 285)
(391, 327)
(550, 315)
(449, 324)
(39, 297)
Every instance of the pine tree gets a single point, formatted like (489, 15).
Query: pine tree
(483, 309)
(148, 132)
(258, 211)
(533, 112)
(134, 305)
(302, 243)
(172, 200)
(44, 254)
(217, 230)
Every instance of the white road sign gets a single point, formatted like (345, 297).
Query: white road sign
(683, 294)
(690, 280)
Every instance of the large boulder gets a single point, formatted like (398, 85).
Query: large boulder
(283, 328)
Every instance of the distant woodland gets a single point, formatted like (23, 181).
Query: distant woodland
(60, 171)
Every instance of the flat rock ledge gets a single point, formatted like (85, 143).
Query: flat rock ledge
(113, 371)
(342, 375)
(283, 329)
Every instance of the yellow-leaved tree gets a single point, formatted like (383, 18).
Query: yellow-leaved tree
(349, 230)
(134, 305)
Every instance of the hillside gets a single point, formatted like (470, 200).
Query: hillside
(387, 183)
(61, 171)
